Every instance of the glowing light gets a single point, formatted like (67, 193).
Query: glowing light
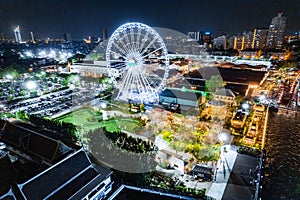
(245, 106)
(262, 97)
(222, 137)
(52, 54)
(132, 62)
(8, 76)
(28, 54)
(30, 85)
(42, 53)
(103, 105)
(2, 146)
(135, 82)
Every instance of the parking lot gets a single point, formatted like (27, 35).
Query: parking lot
(54, 103)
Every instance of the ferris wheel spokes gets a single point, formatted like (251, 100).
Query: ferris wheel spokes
(144, 40)
(148, 46)
(130, 50)
(152, 52)
(120, 49)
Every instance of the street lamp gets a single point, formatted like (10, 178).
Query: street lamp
(245, 106)
(103, 105)
(30, 85)
(222, 138)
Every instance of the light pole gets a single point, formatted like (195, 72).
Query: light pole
(222, 138)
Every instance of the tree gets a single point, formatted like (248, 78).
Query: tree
(214, 83)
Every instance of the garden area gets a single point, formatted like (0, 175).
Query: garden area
(126, 124)
(89, 119)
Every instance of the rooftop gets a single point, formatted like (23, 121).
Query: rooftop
(225, 92)
(242, 76)
(72, 178)
(32, 143)
(180, 94)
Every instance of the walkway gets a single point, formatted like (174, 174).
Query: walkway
(222, 174)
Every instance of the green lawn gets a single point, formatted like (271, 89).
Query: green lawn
(88, 119)
(126, 124)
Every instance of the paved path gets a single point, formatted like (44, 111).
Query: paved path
(222, 174)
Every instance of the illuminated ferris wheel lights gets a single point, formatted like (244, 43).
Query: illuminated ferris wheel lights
(133, 49)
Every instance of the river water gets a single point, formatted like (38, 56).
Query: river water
(282, 167)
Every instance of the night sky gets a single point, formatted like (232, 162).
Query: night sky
(82, 18)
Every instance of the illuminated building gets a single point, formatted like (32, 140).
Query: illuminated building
(94, 69)
(32, 37)
(220, 42)
(195, 35)
(260, 38)
(238, 120)
(225, 95)
(244, 41)
(238, 42)
(276, 31)
(203, 38)
(17, 34)
(248, 39)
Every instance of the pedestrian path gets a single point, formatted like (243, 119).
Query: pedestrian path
(222, 174)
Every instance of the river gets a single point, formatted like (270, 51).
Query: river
(282, 167)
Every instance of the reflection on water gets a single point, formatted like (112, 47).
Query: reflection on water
(282, 173)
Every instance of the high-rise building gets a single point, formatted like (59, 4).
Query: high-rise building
(203, 38)
(248, 39)
(220, 42)
(17, 34)
(276, 31)
(194, 35)
(32, 37)
(260, 38)
(238, 42)
(67, 37)
(104, 34)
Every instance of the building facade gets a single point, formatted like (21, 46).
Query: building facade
(220, 42)
(17, 33)
(276, 31)
(260, 38)
(96, 69)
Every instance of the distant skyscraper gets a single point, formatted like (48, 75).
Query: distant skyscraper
(276, 31)
(203, 38)
(239, 42)
(32, 37)
(260, 38)
(104, 34)
(67, 37)
(195, 35)
(248, 39)
(17, 34)
(220, 42)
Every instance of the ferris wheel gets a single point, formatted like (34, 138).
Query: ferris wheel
(137, 62)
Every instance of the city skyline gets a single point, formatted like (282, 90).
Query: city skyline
(82, 19)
